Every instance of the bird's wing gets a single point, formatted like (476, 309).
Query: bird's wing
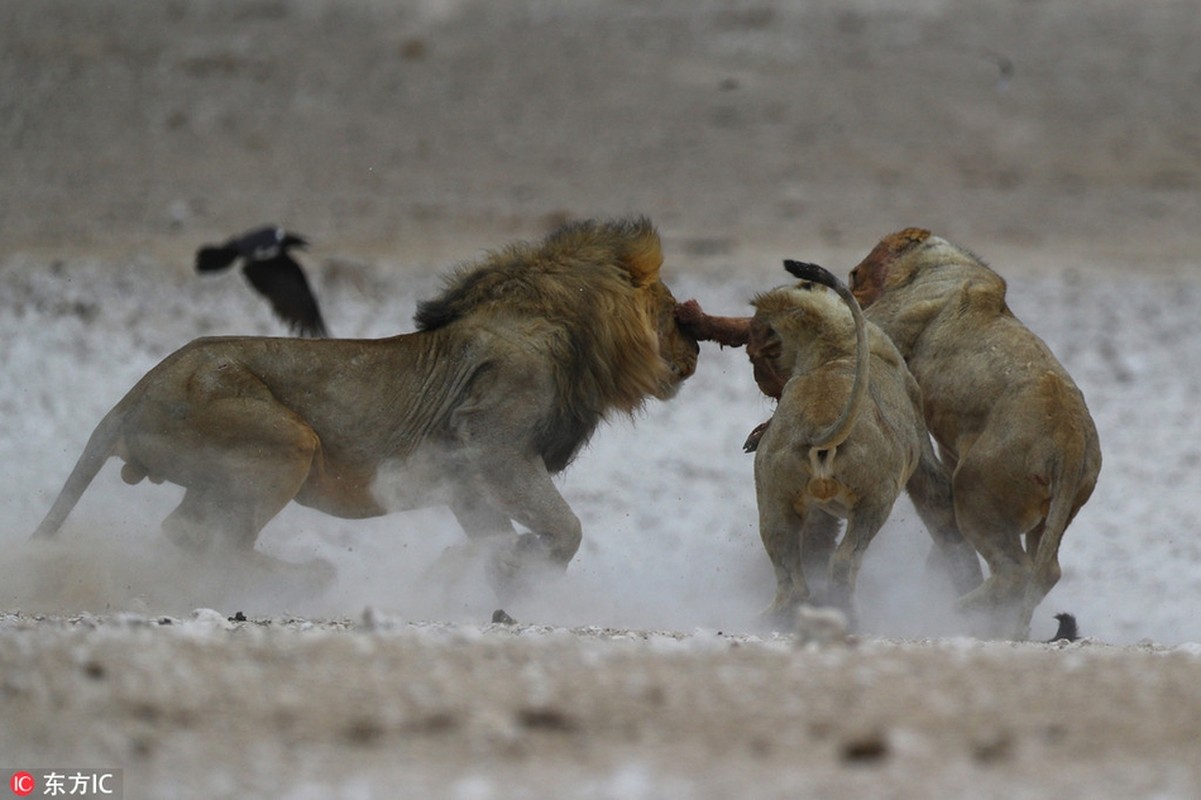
(282, 282)
(214, 258)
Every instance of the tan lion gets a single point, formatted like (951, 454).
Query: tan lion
(508, 375)
(846, 438)
(1009, 421)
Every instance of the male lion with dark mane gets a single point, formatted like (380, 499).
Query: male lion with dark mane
(509, 373)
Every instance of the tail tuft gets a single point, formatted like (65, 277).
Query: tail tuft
(810, 272)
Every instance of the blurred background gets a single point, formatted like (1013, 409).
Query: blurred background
(374, 125)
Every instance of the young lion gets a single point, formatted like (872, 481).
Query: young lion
(511, 370)
(1009, 421)
(846, 438)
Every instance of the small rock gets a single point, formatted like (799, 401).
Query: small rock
(820, 626)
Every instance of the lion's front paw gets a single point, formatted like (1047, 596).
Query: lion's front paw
(515, 567)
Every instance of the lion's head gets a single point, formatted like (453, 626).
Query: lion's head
(874, 274)
(806, 323)
(605, 318)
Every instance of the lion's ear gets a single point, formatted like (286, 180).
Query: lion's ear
(644, 257)
(904, 240)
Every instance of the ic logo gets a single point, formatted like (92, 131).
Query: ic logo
(22, 784)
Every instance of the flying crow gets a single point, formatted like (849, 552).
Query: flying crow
(272, 272)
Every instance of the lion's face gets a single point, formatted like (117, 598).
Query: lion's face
(677, 349)
(764, 350)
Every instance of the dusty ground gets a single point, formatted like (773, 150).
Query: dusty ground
(287, 709)
(1062, 142)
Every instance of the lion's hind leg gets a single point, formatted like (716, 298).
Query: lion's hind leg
(929, 488)
(819, 536)
(989, 524)
(863, 523)
(780, 530)
(1042, 545)
(210, 526)
(241, 477)
(1009, 567)
(799, 539)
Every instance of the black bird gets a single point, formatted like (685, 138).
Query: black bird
(1067, 628)
(273, 273)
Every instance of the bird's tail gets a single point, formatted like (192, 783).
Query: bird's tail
(214, 259)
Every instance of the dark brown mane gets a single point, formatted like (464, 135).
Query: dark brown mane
(590, 282)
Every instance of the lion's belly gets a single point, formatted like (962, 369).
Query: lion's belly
(342, 492)
(423, 479)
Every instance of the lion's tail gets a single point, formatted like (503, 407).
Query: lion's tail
(100, 446)
(840, 429)
(1071, 487)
